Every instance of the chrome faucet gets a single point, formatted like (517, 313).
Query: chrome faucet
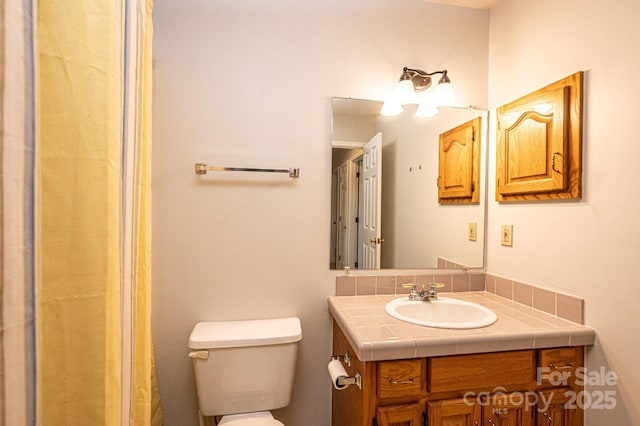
(426, 294)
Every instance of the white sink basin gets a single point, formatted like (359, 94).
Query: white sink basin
(441, 313)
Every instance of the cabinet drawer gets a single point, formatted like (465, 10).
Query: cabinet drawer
(468, 372)
(400, 378)
(557, 360)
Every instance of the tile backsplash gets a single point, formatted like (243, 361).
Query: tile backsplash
(555, 303)
(361, 285)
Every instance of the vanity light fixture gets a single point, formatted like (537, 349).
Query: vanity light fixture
(414, 87)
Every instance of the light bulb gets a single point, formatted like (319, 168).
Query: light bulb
(405, 93)
(426, 110)
(426, 104)
(391, 108)
(444, 94)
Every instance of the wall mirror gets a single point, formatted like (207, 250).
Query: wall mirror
(385, 212)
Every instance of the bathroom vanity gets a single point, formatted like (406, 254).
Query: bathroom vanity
(525, 369)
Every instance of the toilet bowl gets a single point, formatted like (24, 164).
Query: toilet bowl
(244, 369)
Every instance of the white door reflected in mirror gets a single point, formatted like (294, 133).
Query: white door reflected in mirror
(371, 191)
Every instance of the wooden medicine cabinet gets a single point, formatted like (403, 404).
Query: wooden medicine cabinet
(459, 164)
(539, 152)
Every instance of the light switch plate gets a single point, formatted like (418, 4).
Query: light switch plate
(506, 235)
(473, 231)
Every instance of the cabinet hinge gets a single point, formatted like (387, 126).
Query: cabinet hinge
(357, 220)
(358, 175)
(473, 186)
(356, 265)
(424, 419)
(374, 422)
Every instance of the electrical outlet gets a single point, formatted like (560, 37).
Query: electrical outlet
(473, 231)
(506, 235)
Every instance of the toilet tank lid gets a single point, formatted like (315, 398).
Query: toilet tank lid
(235, 334)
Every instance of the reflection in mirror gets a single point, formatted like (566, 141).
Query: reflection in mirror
(385, 212)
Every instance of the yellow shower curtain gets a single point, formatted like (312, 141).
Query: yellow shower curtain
(17, 319)
(94, 363)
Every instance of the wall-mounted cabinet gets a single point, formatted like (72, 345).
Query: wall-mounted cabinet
(539, 152)
(459, 164)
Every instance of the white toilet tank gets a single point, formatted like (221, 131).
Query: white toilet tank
(244, 366)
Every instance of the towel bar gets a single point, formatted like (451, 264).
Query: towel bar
(202, 169)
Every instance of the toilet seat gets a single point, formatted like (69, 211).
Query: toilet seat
(263, 418)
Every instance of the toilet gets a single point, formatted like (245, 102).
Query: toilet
(244, 369)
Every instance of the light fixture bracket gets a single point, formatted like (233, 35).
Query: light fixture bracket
(420, 79)
(415, 81)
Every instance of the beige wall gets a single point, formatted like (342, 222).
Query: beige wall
(250, 83)
(588, 247)
(353, 128)
(236, 84)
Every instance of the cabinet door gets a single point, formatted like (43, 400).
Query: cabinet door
(533, 145)
(400, 415)
(454, 412)
(508, 410)
(459, 163)
(552, 410)
(540, 143)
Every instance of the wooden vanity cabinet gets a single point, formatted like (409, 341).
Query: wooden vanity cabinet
(512, 388)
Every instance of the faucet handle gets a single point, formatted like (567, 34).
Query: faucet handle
(432, 293)
(413, 293)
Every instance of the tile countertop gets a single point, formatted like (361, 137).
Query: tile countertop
(376, 336)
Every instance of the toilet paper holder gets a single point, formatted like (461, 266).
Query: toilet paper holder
(355, 380)
(344, 381)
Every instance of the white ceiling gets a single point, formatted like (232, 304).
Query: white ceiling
(475, 4)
